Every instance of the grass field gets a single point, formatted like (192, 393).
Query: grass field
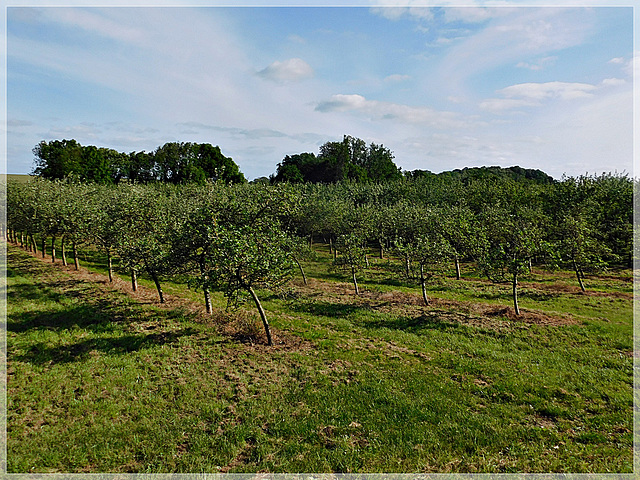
(15, 177)
(101, 380)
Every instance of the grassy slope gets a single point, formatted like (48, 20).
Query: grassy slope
(101, 382)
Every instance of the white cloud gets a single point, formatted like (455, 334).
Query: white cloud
(500, 105)
(397, 78)
(291, 70)
(391, 12)
(507, 39)
(537, 94)
(548, 90)
(377, 110)
(613, 82)
(539, 64)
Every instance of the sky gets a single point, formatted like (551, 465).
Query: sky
(442, 87)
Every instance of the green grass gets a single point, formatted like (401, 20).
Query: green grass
(98, 382)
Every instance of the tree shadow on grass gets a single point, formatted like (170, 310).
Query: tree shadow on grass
(100, 315)
(326, 309)
(56, 291)
(418, 324)
(43, 353)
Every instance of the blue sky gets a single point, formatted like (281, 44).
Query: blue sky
(442, 87)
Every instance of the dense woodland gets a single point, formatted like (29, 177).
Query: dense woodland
(349, 160)
(173, 163)
(241, 238)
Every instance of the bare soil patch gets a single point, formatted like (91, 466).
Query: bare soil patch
(476, 314)
(563, 288)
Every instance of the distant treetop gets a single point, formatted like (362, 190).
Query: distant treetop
(468, 174)
(173, 162)
(350, 159)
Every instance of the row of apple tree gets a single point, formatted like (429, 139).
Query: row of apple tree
(239, 238)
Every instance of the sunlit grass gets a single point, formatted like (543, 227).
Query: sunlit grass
(99, 382)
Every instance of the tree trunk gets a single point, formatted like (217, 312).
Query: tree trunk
(34, 245)
(207, 296)
(355, 280)
(366, 260)
(407, 265)
(207, 300)
(331, 247)
(515, 293)
(577, 270)
(63, 252)
(156, 280)
(263, 316)
(134, 280)
(381, 249)
(44, 245)
(74, 247)
(53, 249)
(457, 267)
(304, 277)
(21, 239)
(423, 285)
(110, 265)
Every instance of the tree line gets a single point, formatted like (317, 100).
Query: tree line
(242, 238)
(173, 162)
(350, 160)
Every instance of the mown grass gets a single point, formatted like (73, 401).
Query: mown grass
(99, 382)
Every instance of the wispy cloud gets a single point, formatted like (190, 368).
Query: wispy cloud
(378, 110)
(538, 64)
(537, 94)
(291, 70)
(510, 38)
(396, 78)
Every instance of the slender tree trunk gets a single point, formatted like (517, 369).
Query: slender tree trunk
(156, 280)
(423, 285)
(515, 293)
(207, 300)
(63, 252)
(355, 280)
(331, 247)
(110, 265)
(407, 265)
(205, 289)
(381, 249)
(263, 315)
(74, 247)
(53, 249)
(577, 270)
(311, 240)
(134, 280)
(22, 239)
(32, 242)
(44, 245)
(304, 277)
(366, 260)
(457, 267)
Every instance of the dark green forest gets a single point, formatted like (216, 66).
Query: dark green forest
(350, 160)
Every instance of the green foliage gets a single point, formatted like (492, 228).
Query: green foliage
(173, 162)
(349, 160)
